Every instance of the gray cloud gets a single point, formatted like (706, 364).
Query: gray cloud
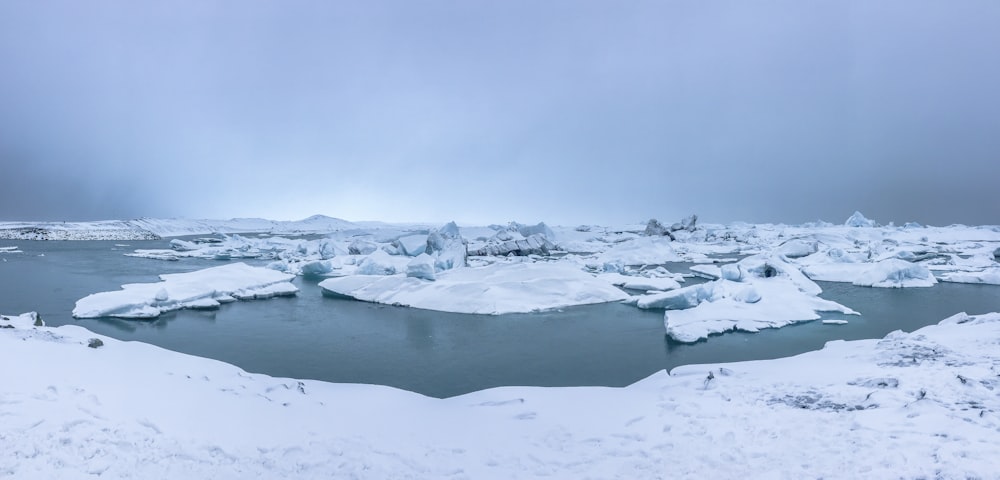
(486, 111)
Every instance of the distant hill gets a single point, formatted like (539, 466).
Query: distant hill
(153, 228)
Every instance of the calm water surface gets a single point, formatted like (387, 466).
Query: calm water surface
(438, 354)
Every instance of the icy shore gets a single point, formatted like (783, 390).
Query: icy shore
(911, 405)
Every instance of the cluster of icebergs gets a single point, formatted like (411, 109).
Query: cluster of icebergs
(759, 276)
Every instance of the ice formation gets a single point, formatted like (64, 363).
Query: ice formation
(205, 288)
(626, 256)
(494, 289)
(757, 292)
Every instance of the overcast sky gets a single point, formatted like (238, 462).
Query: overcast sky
(484, 112)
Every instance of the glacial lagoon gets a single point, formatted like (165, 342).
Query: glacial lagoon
(438, 354)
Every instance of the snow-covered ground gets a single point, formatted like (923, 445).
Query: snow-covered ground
(911, 405)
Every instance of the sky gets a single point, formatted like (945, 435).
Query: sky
(564, 111)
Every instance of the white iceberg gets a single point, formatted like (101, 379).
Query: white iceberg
(381, 263)
(650, 283)
(797, 248)
(205, 288)
(641, 251)
(889, 273)
(895, 273)
(411, 245)
(494, 289)
(447, 247)
(422, 266)
(989, 276)
(859, 220)
(757, 292)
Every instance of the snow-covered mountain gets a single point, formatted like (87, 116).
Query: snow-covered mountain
(153, 228)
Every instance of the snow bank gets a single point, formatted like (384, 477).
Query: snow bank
(913, 405)
(205, 288)
(494, 289)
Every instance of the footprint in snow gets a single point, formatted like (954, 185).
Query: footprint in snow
(634, 420)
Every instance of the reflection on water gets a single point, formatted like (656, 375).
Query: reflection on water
(439, 354)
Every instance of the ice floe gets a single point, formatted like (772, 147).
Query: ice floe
(493, 289)
(205, 288)
(757, 292)
(889, 273)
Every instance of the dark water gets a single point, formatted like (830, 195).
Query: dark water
(438, 354)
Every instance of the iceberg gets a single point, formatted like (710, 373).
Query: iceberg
(381, 263)
(895, 273)
(205, 288)
(422, 266)
(535, 244)
(361, 247)
(656, 229)
(757, 292)
(540, 229)
(859, 220)
(989, 276)
(889, 273)
(797, 248)
(641, 251)
(411, 245)
(493, 289)
(447, 247)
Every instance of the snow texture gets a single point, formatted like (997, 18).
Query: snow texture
(917, 405)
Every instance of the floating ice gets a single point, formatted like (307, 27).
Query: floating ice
(422, 266)
(989, 276)
(757, 292)
(381, 263)
(641, 251)
(199, 289)
(447, 247)
(494, 289)
(889, 273)
(412, 245)
(797, 248)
